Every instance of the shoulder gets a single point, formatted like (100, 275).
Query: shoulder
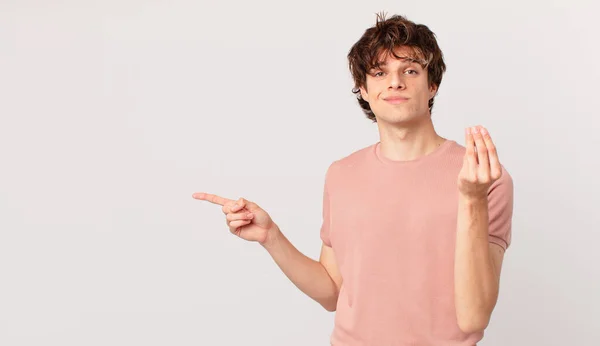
(504, 184)
(350, 161)
(456, 149)
(357, 157)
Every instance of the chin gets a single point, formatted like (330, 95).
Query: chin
(398, 119)
(402, 117)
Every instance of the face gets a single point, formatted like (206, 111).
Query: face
(397, 90)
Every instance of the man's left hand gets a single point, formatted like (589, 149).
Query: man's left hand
(481, 167)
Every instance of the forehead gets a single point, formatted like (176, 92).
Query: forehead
(404, 54)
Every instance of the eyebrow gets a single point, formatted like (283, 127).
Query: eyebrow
(405, 60)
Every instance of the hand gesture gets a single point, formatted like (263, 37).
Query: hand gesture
(481, 167)
(244, 218)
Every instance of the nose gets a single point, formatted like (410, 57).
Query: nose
(397, 81)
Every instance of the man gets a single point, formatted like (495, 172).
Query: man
(415, 226)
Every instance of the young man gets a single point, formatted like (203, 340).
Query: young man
(415, 226)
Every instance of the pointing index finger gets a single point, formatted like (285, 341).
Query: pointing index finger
(211, 198)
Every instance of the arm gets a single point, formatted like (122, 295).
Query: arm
(477, 266)
(320, 280)
(483, 232)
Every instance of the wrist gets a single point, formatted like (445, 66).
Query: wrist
(473, 200)
(273, 235)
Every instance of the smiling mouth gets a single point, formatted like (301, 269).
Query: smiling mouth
(396, 100)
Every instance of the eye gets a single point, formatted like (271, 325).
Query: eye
(414, 71)
(378, 74)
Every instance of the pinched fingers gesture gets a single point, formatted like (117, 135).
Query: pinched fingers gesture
(481, 166)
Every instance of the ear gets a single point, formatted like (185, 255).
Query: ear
(433, 90)
(363, 93)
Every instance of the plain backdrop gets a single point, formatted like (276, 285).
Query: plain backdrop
(114, 112)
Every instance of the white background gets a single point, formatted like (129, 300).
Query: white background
(114, 112)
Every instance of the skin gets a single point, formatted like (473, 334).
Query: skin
(405, 129)
(320, 280)
(406, 133)
(478, 263)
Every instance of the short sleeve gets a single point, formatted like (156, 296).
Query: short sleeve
(500, 206)
(326, 215)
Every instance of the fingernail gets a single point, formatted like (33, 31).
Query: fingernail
(483, 131)
(249, 215)
(474, 130)
(467, 131)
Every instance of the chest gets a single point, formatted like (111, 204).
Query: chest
(383, 217)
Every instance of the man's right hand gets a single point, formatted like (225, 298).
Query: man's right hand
(245, 219)
(320, 280)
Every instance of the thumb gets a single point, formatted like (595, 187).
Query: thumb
(252, 207)
(249, 205)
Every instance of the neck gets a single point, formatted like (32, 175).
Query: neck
(407, 142)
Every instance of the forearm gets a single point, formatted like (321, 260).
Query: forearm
(308, 275)
(475, 282)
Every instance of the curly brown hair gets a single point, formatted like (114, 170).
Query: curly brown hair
(383, 38)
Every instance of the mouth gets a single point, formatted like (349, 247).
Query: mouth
(395, 100)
